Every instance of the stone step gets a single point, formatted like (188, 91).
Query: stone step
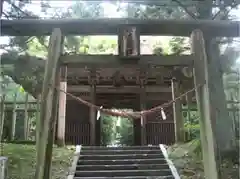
(129, 162)
(122, 167)
(120, 148)
(117, 157)
(122, 162)
(119, 151)
(122, 173)
(129, 177)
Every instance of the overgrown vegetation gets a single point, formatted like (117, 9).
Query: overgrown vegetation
(22, 161)
(187, 159)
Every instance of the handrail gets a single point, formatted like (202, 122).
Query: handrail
(76, 156)
(169, 162)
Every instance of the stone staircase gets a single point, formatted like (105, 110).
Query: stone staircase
(133, 162)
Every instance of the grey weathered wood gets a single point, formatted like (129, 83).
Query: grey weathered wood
(177, 112)
(150, 97)
(52, 131)
(222, 122)
(14, 117)
(1, 7)
(93, 115)
(201, 77)
(143, 99)
(38, 118)
(125, 89)
(26, 119)
(2, 114)
(62, 107)
(53, 120)
(188, 110)
(114, 60)
(36, 27)
(47, 99)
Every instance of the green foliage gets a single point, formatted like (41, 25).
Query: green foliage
(125, 131)
(116, 130)
(179, 46)
(197, 150)
(193, 130)
(10, 89)
(108, 130)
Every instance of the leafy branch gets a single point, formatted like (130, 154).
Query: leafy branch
(223, 13)
(191, 14)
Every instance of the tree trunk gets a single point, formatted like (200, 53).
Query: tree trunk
(2, 112)
(223, 123)
(38, 120)
(222, 120)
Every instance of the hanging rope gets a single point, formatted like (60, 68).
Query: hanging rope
(136, 114)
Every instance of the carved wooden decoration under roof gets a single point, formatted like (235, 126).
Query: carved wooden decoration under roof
(142, 77)
(125, 76)
(93, 76)
(118, 79)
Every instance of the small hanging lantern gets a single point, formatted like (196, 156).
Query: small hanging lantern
(164, 117)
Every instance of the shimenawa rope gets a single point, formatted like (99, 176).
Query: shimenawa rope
(136, 114)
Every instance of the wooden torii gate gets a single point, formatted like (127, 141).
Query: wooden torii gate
(56, 67)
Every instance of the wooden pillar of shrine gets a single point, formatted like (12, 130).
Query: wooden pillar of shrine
(14, 118)
(177, 112)
(92, 116)
(62, 107)
(143, 118)
(26, 119)
(189, 105)
(142, 81)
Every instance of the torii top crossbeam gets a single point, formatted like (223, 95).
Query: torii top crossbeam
(34, 27)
